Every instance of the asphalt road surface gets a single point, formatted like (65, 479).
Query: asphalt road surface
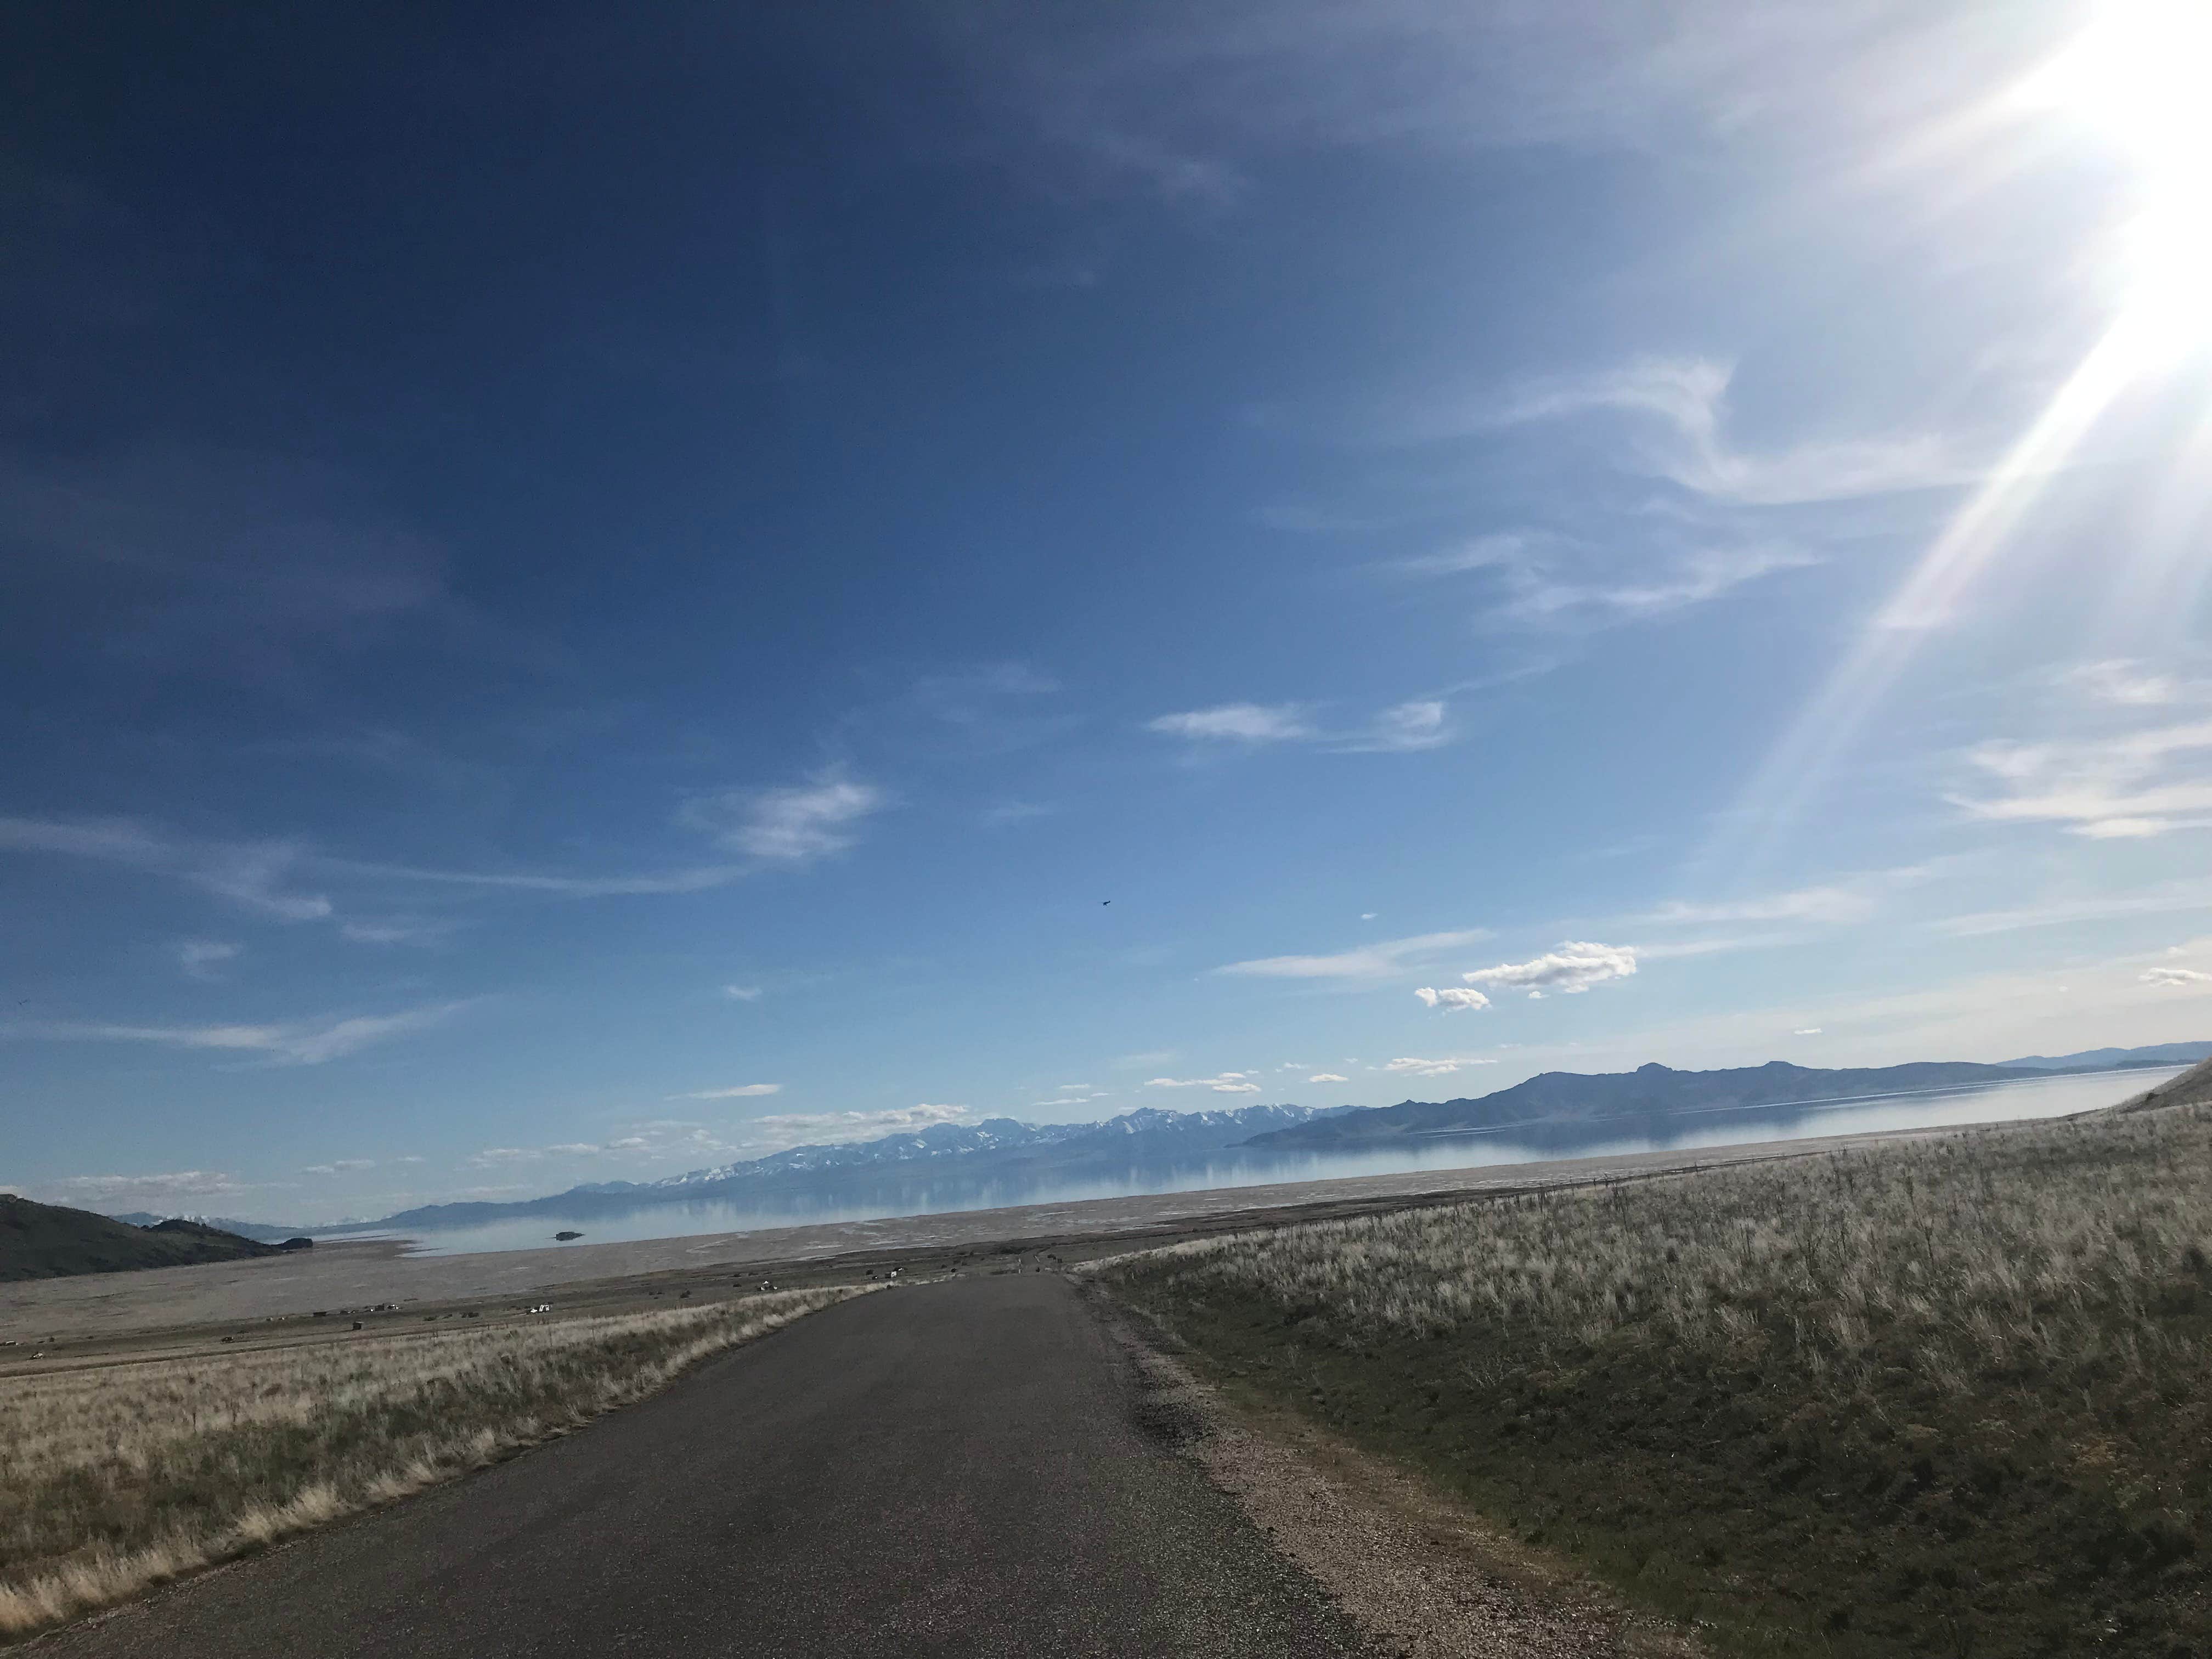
(962, 1468)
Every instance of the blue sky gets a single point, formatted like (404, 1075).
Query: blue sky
(584, 595)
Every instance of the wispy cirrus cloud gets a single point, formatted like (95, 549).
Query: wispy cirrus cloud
(2161, 898)
(1553, 584)
(2126, 682)
(154, 1191)
(300, 1042)
(1137, 93)
(735, 1091)
(1835, 903)
(256, 875)
(204, 958)
(1402, 728)
(794, 826)
(2124, 785)
(1380, 960)
(1677, 410)
(1238, 722)
(693, 879)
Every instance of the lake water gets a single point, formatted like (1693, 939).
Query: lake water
(912, 1191)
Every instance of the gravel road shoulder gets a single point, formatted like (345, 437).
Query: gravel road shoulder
(1422, 1575)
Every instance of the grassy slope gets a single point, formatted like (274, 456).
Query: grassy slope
(46, 1241)
(1951, 1397)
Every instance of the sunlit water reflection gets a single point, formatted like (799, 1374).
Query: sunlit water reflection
(925, 1191)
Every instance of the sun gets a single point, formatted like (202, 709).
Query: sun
(2137, 77)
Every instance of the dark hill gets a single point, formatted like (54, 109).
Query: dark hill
(1654, 1091)
(46, 1241)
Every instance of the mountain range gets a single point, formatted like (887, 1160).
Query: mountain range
(998, 1146)
(1648, 1092)
(2090, 1060)
(1562, 1110)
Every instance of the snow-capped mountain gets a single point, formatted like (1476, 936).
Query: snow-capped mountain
(999, 1149)
(1149, 1131)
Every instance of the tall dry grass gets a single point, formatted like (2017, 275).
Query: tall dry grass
(2047, 1250)
(1944, 1396)
(118, 1478)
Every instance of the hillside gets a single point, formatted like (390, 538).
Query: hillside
(2090, 1060)
(46, 1241)
(2193, 1088)
(263, 1232)
(1652, 1090)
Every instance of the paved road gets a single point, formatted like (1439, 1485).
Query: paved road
(951, 1470)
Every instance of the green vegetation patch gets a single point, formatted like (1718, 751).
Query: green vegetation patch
(1947, 1397)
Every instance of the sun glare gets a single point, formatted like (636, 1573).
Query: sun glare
(2136, 78)
(2137, 75)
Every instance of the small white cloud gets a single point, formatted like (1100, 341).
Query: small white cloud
(203, 958)
(1570, 969)
(1227, 1082)
(805, 1129)
(1451, 997)
(341, 1166)
(794, 826)
(742, 992)
(1328, 1077)
(1416, 1066)
(1237, 722)
(2177, 978)
(396, 929)
(738, 1091)
(1807, 1031)
(1367, 915)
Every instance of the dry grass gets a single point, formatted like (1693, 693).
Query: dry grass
(1932, 1393)
(115, 1478)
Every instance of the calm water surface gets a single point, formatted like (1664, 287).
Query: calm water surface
(927, 1192)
